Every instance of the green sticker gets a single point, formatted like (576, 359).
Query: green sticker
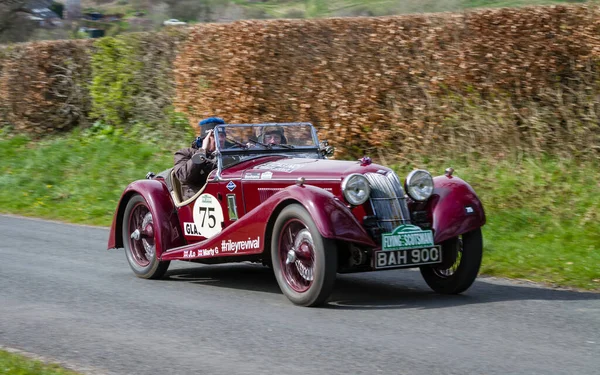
(407, 236)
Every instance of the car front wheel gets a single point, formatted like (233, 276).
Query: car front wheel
(304, 262)
(139, 240)
(461, 261)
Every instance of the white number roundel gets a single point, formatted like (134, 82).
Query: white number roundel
(208, 215)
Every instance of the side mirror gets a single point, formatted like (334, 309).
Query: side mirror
(325, 149)
(198, 159)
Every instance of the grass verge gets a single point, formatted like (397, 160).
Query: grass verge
(542, 213)
(76, 178)
(16, 364)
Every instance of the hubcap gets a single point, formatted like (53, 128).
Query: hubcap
(454, 258)
(296, 249)
(141, 239)
(136, 235)
(291, 257)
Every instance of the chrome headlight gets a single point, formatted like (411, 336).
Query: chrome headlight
(419, 185)
(356, 189)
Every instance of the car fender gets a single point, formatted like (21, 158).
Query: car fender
(333, 219)
(454, 208)
(166, 222)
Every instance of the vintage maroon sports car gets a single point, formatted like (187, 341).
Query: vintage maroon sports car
(287, 206)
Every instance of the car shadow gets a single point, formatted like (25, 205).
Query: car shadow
(411, 291)
(394, 289)
(243, 276)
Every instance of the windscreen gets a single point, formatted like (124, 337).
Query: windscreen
(245, 141)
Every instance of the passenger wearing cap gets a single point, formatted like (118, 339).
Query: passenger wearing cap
(193, 176)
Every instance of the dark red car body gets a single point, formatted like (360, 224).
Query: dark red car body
(320, 195)
(261, 187)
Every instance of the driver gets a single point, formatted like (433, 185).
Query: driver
(273, 135)
(193, 176)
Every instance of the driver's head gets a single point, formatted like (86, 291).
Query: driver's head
(209, 124)
(205, 126)
(273, 135)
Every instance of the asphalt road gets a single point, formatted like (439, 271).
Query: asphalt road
(66, 298)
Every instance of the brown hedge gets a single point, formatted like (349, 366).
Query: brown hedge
(491, 80)
(43, 86)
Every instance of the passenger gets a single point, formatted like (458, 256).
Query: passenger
(193, 176)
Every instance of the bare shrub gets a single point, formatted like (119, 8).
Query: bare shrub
(44, 86)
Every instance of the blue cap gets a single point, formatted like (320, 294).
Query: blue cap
(211, 120)
(208, 124)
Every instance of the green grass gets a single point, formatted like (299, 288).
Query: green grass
(542, 214)
(14, 364)
(76, 178)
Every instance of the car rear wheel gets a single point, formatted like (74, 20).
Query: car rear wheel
(461, 261)
(304, 262)
(139, 240)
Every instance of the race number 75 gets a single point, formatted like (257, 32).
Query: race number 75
(208, 211)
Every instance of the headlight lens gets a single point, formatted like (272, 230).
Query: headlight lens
(419, 185)
(356, 189)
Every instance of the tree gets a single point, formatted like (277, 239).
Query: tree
(15, 25)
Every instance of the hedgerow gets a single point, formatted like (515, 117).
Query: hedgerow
(44, 86)
(133, 80)
(488, 82)
(491, 81)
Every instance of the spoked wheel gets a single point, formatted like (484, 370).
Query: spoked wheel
(461, 261)
(140, 241)
(304, 262)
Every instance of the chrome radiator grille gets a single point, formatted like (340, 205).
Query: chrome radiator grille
(388, 201)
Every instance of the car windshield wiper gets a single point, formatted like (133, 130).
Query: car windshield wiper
(242, 145)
